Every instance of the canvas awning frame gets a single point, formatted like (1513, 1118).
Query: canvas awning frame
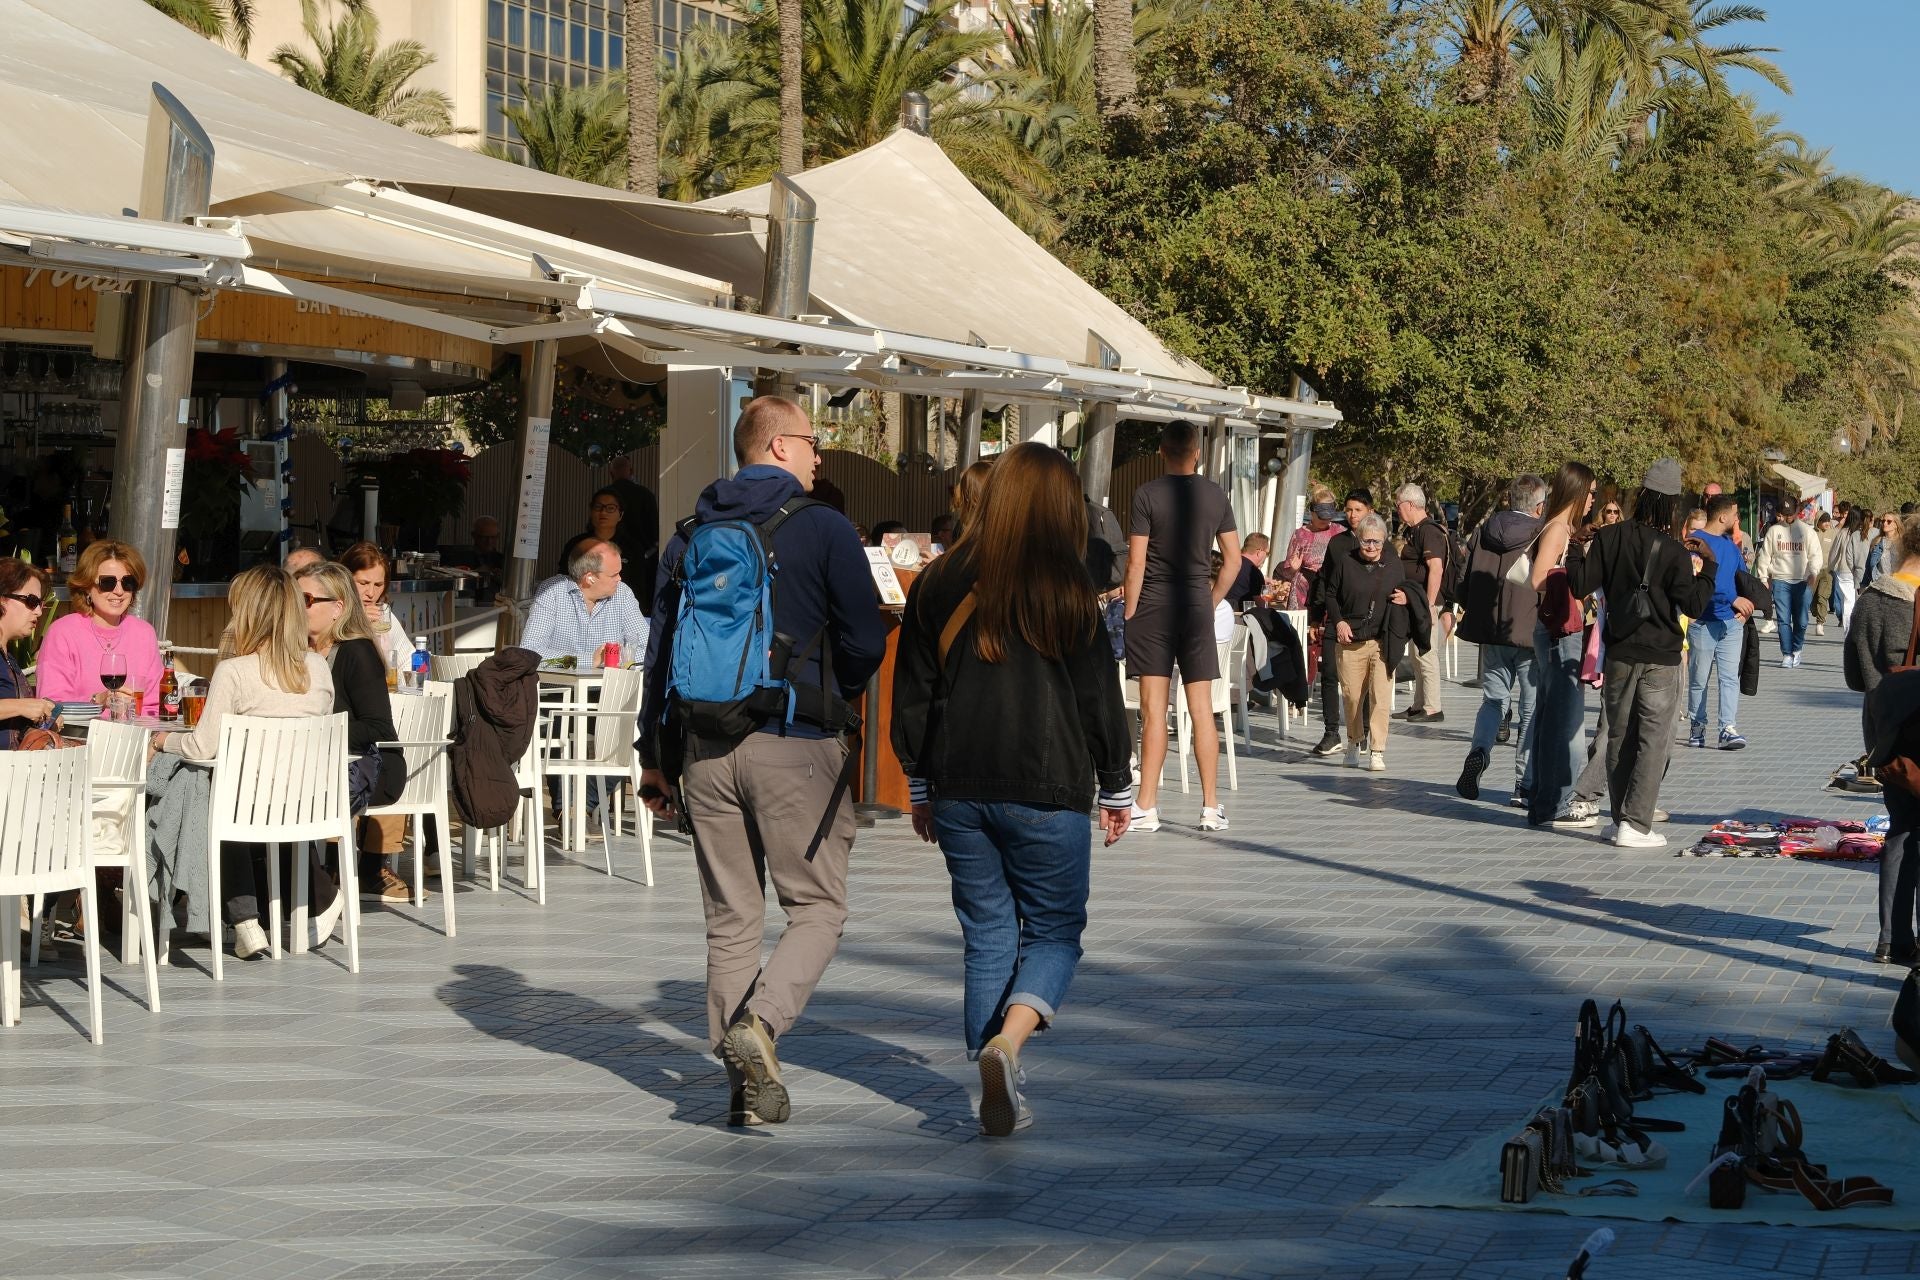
(656, 329)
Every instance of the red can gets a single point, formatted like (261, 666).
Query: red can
(610, 655)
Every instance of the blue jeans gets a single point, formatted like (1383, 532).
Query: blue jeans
(1020, 880)
(1717, 642)
(1791, 601)
(1558, 714)
(1506, 671)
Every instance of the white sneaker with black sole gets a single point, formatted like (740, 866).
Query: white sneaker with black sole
(1145, 819)
(1213, 819)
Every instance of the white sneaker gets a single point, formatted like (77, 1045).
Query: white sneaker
(1353, 755)
(1819, 628)
(249, 940)
(1786, 662)
(321, 926)
(1145, 819)
(1214, 819)
(1376, 762)
(1628, 836)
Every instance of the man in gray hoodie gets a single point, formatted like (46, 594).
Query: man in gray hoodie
(1499, 616)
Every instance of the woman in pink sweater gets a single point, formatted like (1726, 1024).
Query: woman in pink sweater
(102, 587)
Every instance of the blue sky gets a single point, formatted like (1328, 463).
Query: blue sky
(1855, 68)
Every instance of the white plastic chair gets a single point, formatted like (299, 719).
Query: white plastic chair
(46, 843)
(532, 825)
(449, 667)
(607, 752)
(283, 781)
(1240, 680)
(1221, 705)
(117, 762)
(423, 721)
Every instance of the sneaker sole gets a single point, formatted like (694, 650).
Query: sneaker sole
(999, 1107)
(765, 1096)
(1469, 784)
(1732, 746)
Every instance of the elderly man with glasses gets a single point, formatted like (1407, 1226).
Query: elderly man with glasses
(577, 613)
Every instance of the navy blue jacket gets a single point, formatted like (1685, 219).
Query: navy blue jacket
(824, 582)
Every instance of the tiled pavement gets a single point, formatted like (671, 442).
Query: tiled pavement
(1270, 1027)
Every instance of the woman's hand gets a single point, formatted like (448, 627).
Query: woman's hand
(1343, 633)
(1398, 597)
(923, 821)
(34, 709)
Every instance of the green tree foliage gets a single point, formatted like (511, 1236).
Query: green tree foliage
(228, 20)
(1619, 260)
(578, 133)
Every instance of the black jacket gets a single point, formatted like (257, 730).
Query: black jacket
(1615, 560)
(825, 589)
(1106, 547)
(1340, 549)
(1028, 729)
(1358, 592)
(1498, 611)
(360, 690)
(495, 708)
(1248, 583)
(1891, 718)
(639, 538)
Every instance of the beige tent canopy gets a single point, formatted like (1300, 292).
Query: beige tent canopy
(905, 241)
(1808, 486)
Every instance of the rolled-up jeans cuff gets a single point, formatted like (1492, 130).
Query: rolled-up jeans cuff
(1033, 1002)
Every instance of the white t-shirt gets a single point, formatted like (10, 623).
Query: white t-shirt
(1223, 622)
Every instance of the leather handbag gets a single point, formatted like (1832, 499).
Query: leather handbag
(1522, 1164)
(1560, 610)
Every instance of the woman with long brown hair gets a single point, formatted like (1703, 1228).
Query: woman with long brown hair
(1554, 758)
(1006, 630)
(967, 491)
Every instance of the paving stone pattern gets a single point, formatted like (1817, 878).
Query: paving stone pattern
(1270, 1027)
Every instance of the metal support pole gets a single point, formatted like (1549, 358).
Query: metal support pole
(1293, 483)
(537, 365)
(157, 345)
(279, 413)
(1096, 451)
(786, 288)
(973, 406)
(913, 427)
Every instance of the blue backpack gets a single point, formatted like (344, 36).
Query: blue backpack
(728, 676)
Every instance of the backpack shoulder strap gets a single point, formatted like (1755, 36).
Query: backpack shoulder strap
(951, 632)
(791, 507)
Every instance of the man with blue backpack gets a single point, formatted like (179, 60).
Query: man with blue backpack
(765, 624)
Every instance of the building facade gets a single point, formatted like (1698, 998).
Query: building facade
(489, 53)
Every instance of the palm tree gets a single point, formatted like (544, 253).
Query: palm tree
(578, 133)
(717, 120)
(1489, 36)
(227, 20)
(792, 25)
(1588, 96)
(1116, 89)
(643, 96)
(1050, 47)
(349, 66)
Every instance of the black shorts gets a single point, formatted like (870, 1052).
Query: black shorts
(1163, 633)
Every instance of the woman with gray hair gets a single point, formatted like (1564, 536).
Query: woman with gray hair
(1365, 592)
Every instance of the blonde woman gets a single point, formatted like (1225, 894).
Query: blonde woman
(265, 669)
(338, 630)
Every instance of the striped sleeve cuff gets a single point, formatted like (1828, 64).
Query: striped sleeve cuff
(920, 790)
(1121, 799)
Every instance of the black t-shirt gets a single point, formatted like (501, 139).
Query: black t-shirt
(1180, 516)
(1247, 585)
(1425, 541)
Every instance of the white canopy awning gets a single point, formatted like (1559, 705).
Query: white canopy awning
(1810, 486)
(904, 241)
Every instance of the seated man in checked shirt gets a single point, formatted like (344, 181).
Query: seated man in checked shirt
(579, 612)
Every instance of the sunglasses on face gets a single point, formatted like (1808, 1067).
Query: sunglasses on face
(813, 441)
(126, 582)
(314, 600)
(32, 603)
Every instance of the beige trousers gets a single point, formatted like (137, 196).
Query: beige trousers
(758, 810)
(1365, 687)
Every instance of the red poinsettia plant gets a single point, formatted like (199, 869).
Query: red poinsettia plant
(218, 472)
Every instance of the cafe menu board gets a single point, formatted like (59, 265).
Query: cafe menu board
(533, 489)
(892, 593)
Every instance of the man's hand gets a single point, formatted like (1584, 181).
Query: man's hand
(1344, 633)
(654, 793)
(1115, 823)
(923, 821)
(1742, 608)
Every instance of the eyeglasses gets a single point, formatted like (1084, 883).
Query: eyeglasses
(813, 441)
(125, 582)
(33, 603)
(604, 508)
(1373, 542)
(314, 600)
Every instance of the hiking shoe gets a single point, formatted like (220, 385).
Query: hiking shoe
(1732, 739)
(1328, 744)
(1213, 819)
(1376, 762)
(1145, 819)
(1003, 1112)
(1468, 784)
(1628, 836)
(249, 940)
(1353, 756)
(748, 1050)
(1697, 736)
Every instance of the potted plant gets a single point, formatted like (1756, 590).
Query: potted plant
(217, 474)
